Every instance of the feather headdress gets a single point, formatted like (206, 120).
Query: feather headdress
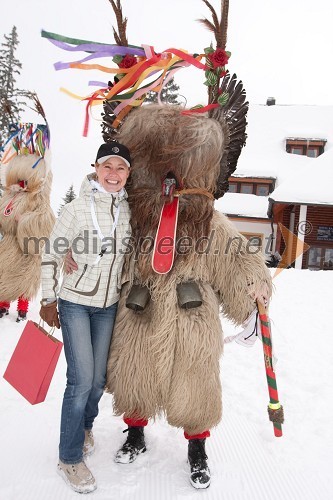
(140, 70)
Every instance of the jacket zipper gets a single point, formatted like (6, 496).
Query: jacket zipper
(114, 258)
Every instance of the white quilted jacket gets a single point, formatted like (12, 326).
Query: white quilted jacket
(98, 278)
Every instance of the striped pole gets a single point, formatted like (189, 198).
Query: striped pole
(275, 410)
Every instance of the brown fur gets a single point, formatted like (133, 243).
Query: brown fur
(188, 146)
(31, 217)
(166, 359)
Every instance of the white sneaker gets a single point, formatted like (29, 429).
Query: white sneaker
(77, 476)
(89, 443)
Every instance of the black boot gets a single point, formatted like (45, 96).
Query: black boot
(3, 312)
(200, 473)
(133, 446)
(21, 316)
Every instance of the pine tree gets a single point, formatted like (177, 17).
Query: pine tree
(169, 94)
(10, 66)
(69, 196)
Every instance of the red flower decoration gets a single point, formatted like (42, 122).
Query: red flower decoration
(218, 58)
(127, 62)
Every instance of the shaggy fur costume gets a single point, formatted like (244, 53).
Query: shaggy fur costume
(30, 218)
(166, 359)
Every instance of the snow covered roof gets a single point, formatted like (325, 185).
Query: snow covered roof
(313, 186)
(299, 179)
(244, 205)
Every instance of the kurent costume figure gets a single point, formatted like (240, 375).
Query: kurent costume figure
(186, 261)
(165, 357)
(26, 218)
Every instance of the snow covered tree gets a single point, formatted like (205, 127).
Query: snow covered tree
(69, 196)
(169, 94)
(10, 68)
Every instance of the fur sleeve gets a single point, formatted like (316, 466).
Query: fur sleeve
(34, 226)
(238, 271)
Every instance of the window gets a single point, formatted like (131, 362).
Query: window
(303, 146)
(262, 190)
(312, 152)
(296, 151)
(251, 185)
(314, 258)
(320, 258)
(328, 259)
(246, 188)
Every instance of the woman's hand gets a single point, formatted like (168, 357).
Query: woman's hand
(69, 263)
(49, 313)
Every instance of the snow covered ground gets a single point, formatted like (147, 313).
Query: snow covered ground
(246, 460)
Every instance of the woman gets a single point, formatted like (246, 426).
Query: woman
(96, 228)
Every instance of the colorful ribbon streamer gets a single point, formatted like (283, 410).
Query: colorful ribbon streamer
(135, 81)
(26, 138)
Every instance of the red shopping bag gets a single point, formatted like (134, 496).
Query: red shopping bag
(31, 367)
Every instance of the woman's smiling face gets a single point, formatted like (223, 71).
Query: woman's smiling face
(112, 174)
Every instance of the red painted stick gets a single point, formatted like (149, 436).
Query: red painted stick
(275, 410)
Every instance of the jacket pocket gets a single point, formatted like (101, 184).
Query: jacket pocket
(82, 274)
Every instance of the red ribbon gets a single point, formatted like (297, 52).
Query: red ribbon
(190, 59)
(200, 110)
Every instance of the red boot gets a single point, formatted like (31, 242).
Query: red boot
(22, 309)
(4, 308)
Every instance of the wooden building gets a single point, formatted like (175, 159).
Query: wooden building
(281, 195)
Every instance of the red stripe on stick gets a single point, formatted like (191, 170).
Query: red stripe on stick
(265, 331)
(277, 430)
(273, 394)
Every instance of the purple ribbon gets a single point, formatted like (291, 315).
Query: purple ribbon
(93, 83)
(110, 50)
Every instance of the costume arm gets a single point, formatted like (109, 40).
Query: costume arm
(34, 228)
(64, 231)
(238, 272)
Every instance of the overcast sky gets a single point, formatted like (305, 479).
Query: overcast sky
(282, 49)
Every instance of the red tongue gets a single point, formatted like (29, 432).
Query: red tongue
(9, 208)
(165, 241)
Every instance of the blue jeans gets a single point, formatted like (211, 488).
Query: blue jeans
(87, 335)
